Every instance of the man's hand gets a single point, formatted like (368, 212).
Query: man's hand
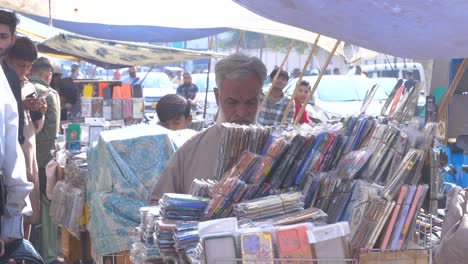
(35, 104)
(43, 105)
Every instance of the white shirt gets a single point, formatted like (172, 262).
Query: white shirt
(12, 164)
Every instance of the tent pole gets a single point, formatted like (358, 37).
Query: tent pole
(304, 68)
(207, 79)
(322, 71)
(241, 36)
(442, 117)
(453, 87)
(94, 72)
(276, 75)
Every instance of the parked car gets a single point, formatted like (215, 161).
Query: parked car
(340, 95)
(155, 85)
(395, 71)
(212, 108)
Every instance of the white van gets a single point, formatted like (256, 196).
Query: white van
(394, 71)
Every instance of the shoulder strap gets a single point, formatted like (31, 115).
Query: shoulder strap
(135, 81)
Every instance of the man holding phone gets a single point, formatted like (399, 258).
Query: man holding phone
(20, 58)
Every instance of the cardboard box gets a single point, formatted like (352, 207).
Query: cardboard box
(72, 247)
(117, 258)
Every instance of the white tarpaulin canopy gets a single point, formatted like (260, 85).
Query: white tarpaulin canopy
(420, 29)
(157, 20)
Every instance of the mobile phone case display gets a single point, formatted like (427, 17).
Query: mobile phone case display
(111, 101)
(171, 228)
(299, 243)
(317, 194)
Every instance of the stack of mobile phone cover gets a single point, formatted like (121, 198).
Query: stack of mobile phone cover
(182, 206)
(401, 223)
(202, 188)
(325, 192)
(186, 238)
(293, 245)
(391, 98)
(237, 138)
(281, 171)
(378, 165)
(407, 169)
(310, 215)
(311, 188)
(429, 131)
(270, 206)
(409, 226)
(436, 186)
(352, 164)
(371, 224)
(360, 132)
(322, 144)
(257, 181)
(340, 199)
(310, 159)
(144, 253)
(232, 187)
(360, 199)
(257, 246)
(165, 239)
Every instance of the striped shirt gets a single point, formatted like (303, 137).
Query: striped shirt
(272, 112)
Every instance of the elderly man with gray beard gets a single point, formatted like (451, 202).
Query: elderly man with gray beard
(239, 79)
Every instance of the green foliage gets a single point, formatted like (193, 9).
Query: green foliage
(254, 40)
(281, 44)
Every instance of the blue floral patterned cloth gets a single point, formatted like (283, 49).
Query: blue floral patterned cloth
(124, 168)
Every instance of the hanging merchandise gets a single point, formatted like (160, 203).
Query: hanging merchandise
(306, 194)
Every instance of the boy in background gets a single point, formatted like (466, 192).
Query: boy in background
(174, 112)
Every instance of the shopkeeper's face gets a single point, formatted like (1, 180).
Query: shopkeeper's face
(238, 100)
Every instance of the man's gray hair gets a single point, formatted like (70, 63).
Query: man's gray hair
(240, 67)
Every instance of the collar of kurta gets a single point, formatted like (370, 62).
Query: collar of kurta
(35, 79)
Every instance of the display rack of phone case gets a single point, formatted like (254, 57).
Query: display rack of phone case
(365, 171)
(110, 100)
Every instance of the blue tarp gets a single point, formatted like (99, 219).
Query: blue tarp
(134, 33)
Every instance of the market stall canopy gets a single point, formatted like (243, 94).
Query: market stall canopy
(117, 54)
(158, 20)
(410, 29)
